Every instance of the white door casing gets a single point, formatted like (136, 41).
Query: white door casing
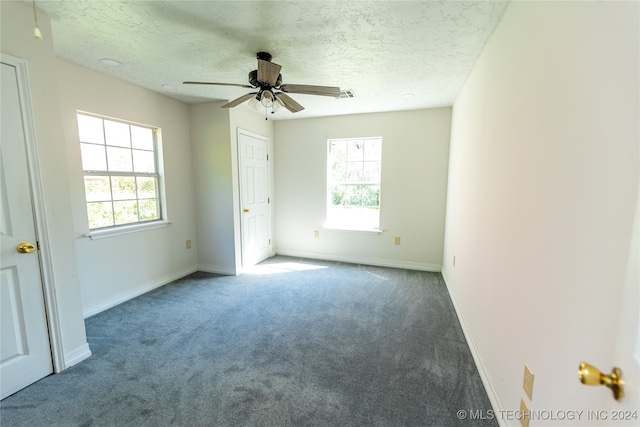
(25, 353)
(255, 208)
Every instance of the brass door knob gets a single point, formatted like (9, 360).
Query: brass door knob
(246, 211)
(25, 248)
(590, 375)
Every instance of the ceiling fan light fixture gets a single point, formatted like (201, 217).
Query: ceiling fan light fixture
(277, 104)
(267, 98)
(254, 103)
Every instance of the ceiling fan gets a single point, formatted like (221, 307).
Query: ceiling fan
(271, 93)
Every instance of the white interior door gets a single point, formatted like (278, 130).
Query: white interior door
(621, 349)
(627, 344)
(254, 198)
(25, 354)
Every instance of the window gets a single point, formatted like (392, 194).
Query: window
(353, 199)
(120, 163)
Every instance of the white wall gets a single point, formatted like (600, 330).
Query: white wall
(215, 160)
(211, 145)
(17, 40)
(543, 184)
(414, 179)
(118, 268)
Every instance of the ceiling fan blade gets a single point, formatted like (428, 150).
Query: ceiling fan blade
(218, 84)
(311, 90)
(289, 103)
(268, 72)
(240, 100)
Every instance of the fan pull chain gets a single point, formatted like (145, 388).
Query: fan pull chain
(36, 31)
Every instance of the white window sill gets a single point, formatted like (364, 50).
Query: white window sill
(375, 231)
(126, 229)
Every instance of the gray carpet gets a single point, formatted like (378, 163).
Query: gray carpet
(297, 343)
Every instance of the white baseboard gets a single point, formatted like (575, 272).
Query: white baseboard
(488, 385)
(218, 269)
(381, 262)
(91, 311)
(76, 356)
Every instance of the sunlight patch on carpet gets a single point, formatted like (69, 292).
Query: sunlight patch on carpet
(282, 267)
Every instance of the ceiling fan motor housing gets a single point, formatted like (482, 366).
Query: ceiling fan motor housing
(265, 56)
(253, 80)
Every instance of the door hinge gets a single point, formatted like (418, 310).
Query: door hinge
(269, 241)
(268, 199)
(38, 244)
(267, 157)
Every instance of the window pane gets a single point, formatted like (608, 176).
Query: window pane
(147, 188)
(372, 149)
(370, 195)
(370, 217)
(125, 212)
(337, 193)
(338, 151)
(142, 138)
(100, 214)
(117, 133)
(90, 129)
(148, 209)
(143, 161)
(354, 171)
(93, 157)
(355, 150)
(124, 187)
(338, 172)
(371, 172)
(119, 159)
(97, 188)
(353, 196)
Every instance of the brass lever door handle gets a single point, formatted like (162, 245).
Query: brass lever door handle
(25, 248)
(590, 375)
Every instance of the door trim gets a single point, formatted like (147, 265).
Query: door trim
(39, 211)
(245, 132)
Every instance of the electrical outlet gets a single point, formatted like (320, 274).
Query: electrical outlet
(525, 413)
(397, 240)
(316, 234)
(527, 383)
(188, 244)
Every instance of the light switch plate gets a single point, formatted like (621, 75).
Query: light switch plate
(527, 383)
(525, 413)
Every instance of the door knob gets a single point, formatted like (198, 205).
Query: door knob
(246, 210)
(25, 248)
(590, 375)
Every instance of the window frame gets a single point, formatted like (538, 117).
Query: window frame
(331, 223)
(158, 175)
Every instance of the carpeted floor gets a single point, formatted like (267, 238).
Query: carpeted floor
(295, 342)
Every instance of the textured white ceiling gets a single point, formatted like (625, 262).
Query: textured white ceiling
(378, 49)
